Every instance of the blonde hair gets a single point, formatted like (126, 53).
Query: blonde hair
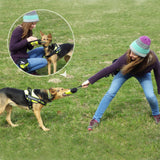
(139, 64)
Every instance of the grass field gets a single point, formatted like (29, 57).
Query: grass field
(103, 30)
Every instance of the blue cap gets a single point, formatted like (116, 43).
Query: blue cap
(31, 17)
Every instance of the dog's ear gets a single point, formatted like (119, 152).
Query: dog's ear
(42, 34)
(53, 91)
(50, 36)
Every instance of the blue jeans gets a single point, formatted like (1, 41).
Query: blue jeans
(119, 79)
(36, 60)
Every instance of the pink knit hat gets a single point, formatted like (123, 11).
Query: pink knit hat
(141, 46)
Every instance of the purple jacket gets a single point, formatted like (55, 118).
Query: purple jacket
(119, 64)
(18, 46)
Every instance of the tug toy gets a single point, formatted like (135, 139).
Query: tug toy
(73, 90)
(36, 42)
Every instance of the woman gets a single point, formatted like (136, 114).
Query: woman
(20, 43)
(137, 62)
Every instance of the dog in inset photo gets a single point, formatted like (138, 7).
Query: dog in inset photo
(33, 99)
(55, 51)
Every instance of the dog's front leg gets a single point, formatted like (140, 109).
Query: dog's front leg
(49, 68)
(8, 117)
(37, 109)
(54, 67)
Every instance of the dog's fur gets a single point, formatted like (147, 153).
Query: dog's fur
(14, 97)
(66, 51)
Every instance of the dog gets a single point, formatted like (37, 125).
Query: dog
(34, 99)
(54, 52)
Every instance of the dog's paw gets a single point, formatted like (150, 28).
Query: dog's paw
(45, 129)
(14, 125)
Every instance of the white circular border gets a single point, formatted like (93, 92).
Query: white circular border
(61, 18)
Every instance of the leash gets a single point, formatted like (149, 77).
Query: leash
(53, 49)
(32, 98)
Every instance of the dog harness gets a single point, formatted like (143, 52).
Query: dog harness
(32, 98)
(53, 49)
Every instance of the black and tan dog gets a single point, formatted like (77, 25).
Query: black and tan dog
(28, 99)
(54, 51)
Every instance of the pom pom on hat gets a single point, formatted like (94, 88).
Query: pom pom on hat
(141, 46)
(31, 17)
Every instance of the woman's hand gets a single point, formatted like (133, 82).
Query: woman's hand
(31, 38)
(85, 84)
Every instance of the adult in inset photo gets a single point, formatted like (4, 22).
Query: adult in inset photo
(21, 48)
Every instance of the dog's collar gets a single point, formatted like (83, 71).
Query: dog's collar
(50, 96)
(44, 44)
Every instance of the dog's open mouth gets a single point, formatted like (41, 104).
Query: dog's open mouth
(43, 42)
(64, 94)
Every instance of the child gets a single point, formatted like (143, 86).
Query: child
(137, 62)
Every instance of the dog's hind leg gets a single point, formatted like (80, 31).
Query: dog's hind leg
(66, 58)
(37, 109)
(2, 108)
(8, 117)
(3, 102)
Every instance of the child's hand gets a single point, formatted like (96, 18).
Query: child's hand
(85, 84)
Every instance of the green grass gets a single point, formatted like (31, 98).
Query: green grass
(103, 30)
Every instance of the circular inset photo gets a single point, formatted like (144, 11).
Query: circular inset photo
(41, 42)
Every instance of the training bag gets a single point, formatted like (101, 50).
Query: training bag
(23, 64)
